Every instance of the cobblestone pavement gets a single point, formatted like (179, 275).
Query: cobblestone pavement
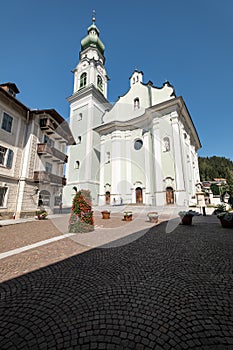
(162, 291)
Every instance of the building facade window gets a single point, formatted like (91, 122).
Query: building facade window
(3, 192)
(48, 167)
(99, 83)
(7, 122)
(77, 164)
(83, 80)
(6, 157)
(136, 103)
(138, 144)
(49, 141)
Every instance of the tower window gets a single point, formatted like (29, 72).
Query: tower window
(79, 139)
(83, 80)
(99, 82)
(136, 103)
(77, 164)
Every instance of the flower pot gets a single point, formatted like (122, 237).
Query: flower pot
(187, 220)
(128, 217)
(226, 223)
(153, 219)
(105, 215)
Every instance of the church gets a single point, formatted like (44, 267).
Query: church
(140, 150)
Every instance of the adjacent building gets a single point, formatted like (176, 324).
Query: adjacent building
(32, 156)
(142, 149)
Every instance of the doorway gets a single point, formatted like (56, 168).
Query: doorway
(169, 195)
(107, 197)
(139, 199)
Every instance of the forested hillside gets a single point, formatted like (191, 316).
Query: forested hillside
(216, 167)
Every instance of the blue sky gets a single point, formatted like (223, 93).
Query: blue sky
(188, 43)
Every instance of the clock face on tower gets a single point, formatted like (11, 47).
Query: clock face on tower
(93, 54)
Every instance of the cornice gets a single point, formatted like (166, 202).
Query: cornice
(89, 90)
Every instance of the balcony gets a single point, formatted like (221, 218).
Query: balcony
(44, 177)
(51, 152)
(47, 125)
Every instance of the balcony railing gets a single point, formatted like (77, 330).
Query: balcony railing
(44, 148)
(45, 177)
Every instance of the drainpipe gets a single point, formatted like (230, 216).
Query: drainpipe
(17, 206)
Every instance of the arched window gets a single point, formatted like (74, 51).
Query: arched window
(76, 164)
(99, 82)
(83, 80)
(136, 103)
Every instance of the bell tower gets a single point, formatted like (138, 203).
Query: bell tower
(90, 70)
(88, 103)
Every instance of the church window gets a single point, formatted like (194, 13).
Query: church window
(77, 164)
(137, 78)
(136, 103)
(99, 82)
(166, 144)
(83, 80)
(79, 139)
(133, 80)
(138, 144)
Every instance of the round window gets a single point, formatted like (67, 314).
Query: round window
(138, 144)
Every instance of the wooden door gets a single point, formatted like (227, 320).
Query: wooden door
(107, 197)
(169, 195)
(139, 198)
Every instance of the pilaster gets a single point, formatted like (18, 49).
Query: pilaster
(158, 183)
(181, 197)
(116, 164)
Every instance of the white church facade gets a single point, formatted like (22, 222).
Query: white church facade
(141, 150)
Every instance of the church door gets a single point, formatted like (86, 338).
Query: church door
(169, 195)
(107, 197)
(139, 195)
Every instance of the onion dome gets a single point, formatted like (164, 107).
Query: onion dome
(92, 39)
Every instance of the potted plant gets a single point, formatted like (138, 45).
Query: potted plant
(41, 214)
(128, 215)
(153, 216)
(105, 214)
(187, 216)
(226, 219)
(81, 217)
(220, 208)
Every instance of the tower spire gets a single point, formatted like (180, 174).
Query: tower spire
(93, 16)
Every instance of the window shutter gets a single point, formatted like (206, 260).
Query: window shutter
(9, 158)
